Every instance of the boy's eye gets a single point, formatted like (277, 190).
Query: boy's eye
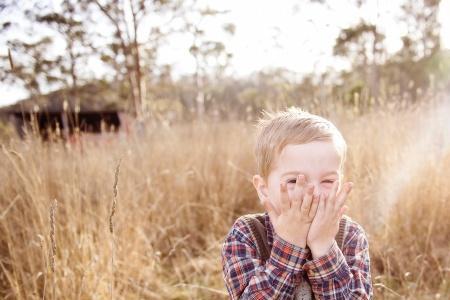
(295, 180)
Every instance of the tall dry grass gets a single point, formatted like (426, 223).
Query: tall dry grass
(180, 188)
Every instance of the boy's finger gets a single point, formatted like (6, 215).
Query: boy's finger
(284, 198)
(296, 201)
(343, 194)
(334, 189)
(273, 214)
(325, 197)
(322, 204)
(331, 199)
(298, 192)
(314, 206)
(307, 199)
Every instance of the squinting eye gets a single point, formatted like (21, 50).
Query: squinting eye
(292, 181)
(329, 181)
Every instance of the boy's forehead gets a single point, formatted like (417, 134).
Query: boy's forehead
(320, 156)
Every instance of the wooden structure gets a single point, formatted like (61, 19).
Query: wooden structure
(59, 112)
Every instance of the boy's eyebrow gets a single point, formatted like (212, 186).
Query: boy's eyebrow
(297, 172)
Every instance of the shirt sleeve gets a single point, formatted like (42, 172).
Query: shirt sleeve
(247, 277)
(342, 274)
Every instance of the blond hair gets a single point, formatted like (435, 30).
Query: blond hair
(292, 126)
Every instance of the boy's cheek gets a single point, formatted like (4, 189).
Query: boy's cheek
(275, 199)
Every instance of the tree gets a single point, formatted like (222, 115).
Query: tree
(128, 46)
(411, 67)
(34, 68)
(71, 28)
(423, 37)
(29, 62)
(211, 56)
(363, 46)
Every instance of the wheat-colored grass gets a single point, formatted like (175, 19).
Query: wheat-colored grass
(181, 187)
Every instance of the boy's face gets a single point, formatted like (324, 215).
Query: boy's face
(319, 161)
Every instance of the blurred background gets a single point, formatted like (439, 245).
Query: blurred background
(127, 133)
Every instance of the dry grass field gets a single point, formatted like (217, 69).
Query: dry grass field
(179, 189)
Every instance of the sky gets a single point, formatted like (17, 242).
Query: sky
(295, 35)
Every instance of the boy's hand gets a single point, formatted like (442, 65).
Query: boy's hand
(325, 225)
(293, 220)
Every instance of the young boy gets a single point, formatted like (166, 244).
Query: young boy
(300, 159)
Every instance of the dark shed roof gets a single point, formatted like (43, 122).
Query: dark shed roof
(93, 97)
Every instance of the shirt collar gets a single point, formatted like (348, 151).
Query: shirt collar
(269, 229)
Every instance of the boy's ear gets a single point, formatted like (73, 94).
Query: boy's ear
(261, 188)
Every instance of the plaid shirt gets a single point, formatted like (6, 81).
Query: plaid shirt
(336, 275)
